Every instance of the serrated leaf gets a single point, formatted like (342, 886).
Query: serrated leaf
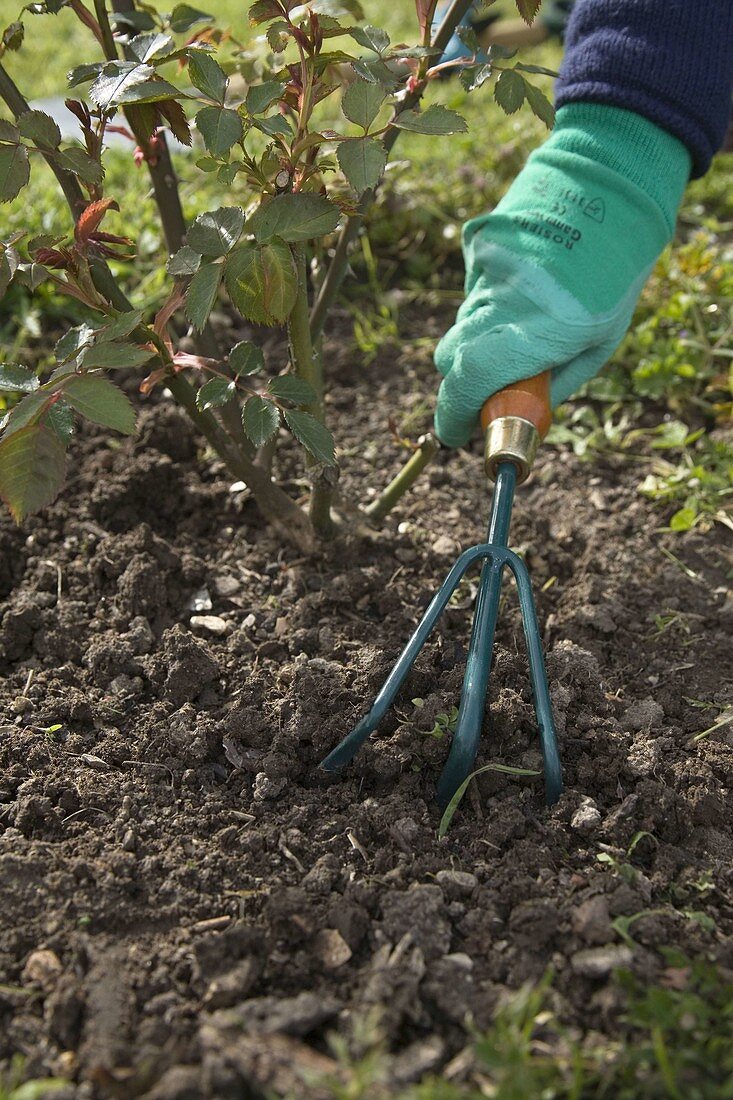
(149, 91)
(186, 261)
(278, 36)
(262, 11)
(82, 73)
(120, 327)
(14, 170)
(26, 412)
(260, 420)
(361, 102)
(80, 163)
(99, 400)
(436, 120)
(273, 126)
(262, 282)
(220, 127)
(13, 35)
(116, 356)
(474, 76)
(215, 393)
(540, 70)
(338, 8)
(217, 231)
(509, 91)
(207, 75)
(183, 17)
(260, 96)
(245, 358)
(116, 79)
(362, 161)
(201, 294)
(32, 468)
(540, 104)
(145, 46)
(60, 419)
(298, 217)
(71, 343)
(288, 387)
(40, 128)
(371, 38)
(17, 379)
(175, 116)
(8, 132)
(314, 436)
(528, 9)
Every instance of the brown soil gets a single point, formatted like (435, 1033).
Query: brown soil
(189, 908)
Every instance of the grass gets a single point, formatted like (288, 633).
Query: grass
(674, 1045)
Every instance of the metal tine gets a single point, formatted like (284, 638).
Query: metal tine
(346, 750)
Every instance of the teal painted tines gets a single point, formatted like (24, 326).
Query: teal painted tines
(495, 557)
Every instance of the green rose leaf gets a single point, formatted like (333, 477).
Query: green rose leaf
(362, 161)
(32, 467)
(220, 127)
(145, 46)
(17, 379)
(15, 170)
(435, 120)
(215, 393)
(540, 104)
(26, 412)
(207, 75)
(121, 326)
(186, 261)
(262, 282)
(201, 294)
(262, 11)
(129, 82)
(183, 17)
(371, 38)
(361, 102)
(509, 91)
(245, 358)
(298, 217)
(40, 128)
(312, 434)
(216, 232)
(260, 420)
(60, 418)
(261, 96)
(100, 401)
(116, 356)
(80, 163)
(528, 9)
(288, 387)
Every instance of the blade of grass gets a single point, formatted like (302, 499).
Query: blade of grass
(458, 796)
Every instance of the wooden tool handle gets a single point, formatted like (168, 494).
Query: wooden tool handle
(529, 399)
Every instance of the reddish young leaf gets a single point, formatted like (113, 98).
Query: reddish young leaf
(91, 218)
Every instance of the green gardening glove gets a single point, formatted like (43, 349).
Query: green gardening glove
(554, 272)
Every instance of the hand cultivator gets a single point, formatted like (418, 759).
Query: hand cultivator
(515, 420)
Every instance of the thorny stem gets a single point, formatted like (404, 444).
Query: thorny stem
(275, 505)
(340, 262)
(308, 367)
(168, 201)
(428, 447)
(73, 193)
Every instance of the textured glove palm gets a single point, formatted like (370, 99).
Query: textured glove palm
(554, 273)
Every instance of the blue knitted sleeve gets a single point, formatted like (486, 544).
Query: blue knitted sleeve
(669, 60)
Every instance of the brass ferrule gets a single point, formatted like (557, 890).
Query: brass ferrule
(511, 439)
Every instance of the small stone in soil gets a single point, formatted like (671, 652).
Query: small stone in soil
(456, 884)
(586, 819)
(331, 948)
(213, 623)
(592, 922)
(599, 962)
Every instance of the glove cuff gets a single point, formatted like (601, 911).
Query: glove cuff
(629, 144)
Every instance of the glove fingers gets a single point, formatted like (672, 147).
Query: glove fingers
(569, 377)
(479, 368)
(475, 320)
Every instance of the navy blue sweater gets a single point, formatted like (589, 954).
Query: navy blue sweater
(669, 60)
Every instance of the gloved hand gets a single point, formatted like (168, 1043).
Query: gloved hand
(554, 272)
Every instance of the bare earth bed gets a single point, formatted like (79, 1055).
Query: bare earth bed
(188, 907)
